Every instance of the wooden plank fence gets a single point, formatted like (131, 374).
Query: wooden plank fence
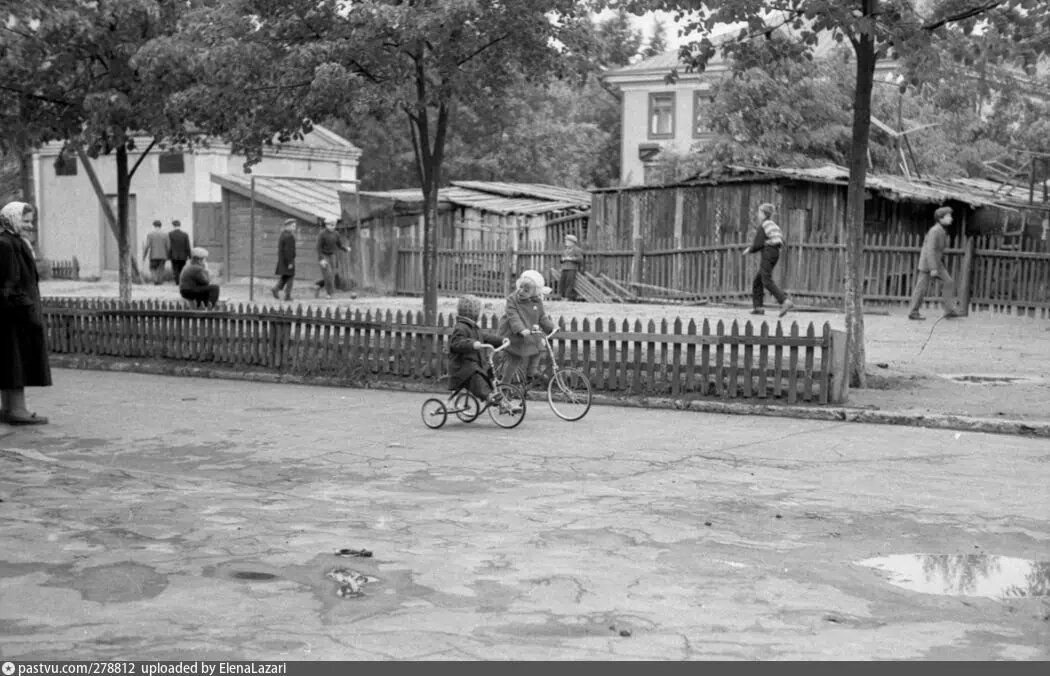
(988, 273)
(55, 269)
(678, 359)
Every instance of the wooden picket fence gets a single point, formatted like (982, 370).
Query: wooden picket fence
(54, 269)
(998, 274)
(677, 359)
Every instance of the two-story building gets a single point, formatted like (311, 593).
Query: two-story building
(658, 116)
(166, 186)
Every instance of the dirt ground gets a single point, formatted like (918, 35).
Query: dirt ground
(1003, 360)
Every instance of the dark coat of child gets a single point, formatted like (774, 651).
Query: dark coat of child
(467, 366)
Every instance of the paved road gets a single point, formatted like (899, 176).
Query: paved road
(130, 524)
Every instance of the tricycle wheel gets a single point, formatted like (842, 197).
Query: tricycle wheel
(434, 413)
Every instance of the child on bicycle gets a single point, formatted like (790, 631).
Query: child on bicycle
(466, 365)
(523, 313)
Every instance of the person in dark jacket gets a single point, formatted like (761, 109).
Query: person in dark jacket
(329, 242)
(23, 341)
(178, 249)
(285, 260)
(195, 283)
(768, 240)
(571, 264)
(466, 365)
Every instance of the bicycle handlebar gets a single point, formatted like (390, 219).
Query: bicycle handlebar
(546, 336)
(506, 343)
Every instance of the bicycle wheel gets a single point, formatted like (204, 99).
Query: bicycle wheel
(511, 409)
(434, 413)
(569, 394)
(466, 406)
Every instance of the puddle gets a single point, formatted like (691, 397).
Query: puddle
(991, 379)
(118, 583)
(994, 577)
(253, 575)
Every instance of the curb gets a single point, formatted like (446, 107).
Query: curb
(942, 421)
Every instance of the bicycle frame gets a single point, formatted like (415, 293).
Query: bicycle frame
(550, 349)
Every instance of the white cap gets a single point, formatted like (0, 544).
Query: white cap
(537, 278)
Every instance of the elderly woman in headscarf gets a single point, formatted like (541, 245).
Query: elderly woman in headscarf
(23, 340)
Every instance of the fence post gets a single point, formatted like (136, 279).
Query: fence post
(636, 260)
(839, 368)
(966, 276)
(395, 282)
(508, 266)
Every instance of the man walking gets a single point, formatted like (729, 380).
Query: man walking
(931, 266)
(571, 264)
(179, 253)
(285, 260)
(329, 242)
(156, 251)
(768, 240)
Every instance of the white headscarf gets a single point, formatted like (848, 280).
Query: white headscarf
(11, 220)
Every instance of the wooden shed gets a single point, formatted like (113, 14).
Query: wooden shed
(474, 214)
(275, 200)
(811, 205)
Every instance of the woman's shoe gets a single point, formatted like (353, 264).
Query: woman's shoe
(18, 419)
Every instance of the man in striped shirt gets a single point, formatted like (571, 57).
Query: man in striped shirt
(768, 240)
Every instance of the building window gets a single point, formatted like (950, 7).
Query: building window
(702, 101)
(172, 163)
(65, 166)
(661, 115)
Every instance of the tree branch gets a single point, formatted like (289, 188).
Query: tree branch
(31, 95)
(156, 139)
(965, 14)
(296, 85)
(482, 48)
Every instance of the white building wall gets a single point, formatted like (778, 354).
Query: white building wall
(636, 124)
(71, 222)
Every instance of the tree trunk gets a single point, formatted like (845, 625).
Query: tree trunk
(854, 231)
(123, 245)
(25, 175)
(429, 156)
(430, 194)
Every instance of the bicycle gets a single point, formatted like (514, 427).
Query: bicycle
(507, 412)
(569, 391)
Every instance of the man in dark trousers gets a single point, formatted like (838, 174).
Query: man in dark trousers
(571, 264)
(329, 242)
(931, 268)
(285, 260)
(768, 240)
(156, 252)
(178, 249)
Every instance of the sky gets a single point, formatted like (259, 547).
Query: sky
(645, 24)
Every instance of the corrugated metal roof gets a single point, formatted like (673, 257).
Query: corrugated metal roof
(303, 198)
(498, 198)
(542, 191)
(932, 190)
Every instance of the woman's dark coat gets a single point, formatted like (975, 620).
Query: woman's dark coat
(23, 340)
